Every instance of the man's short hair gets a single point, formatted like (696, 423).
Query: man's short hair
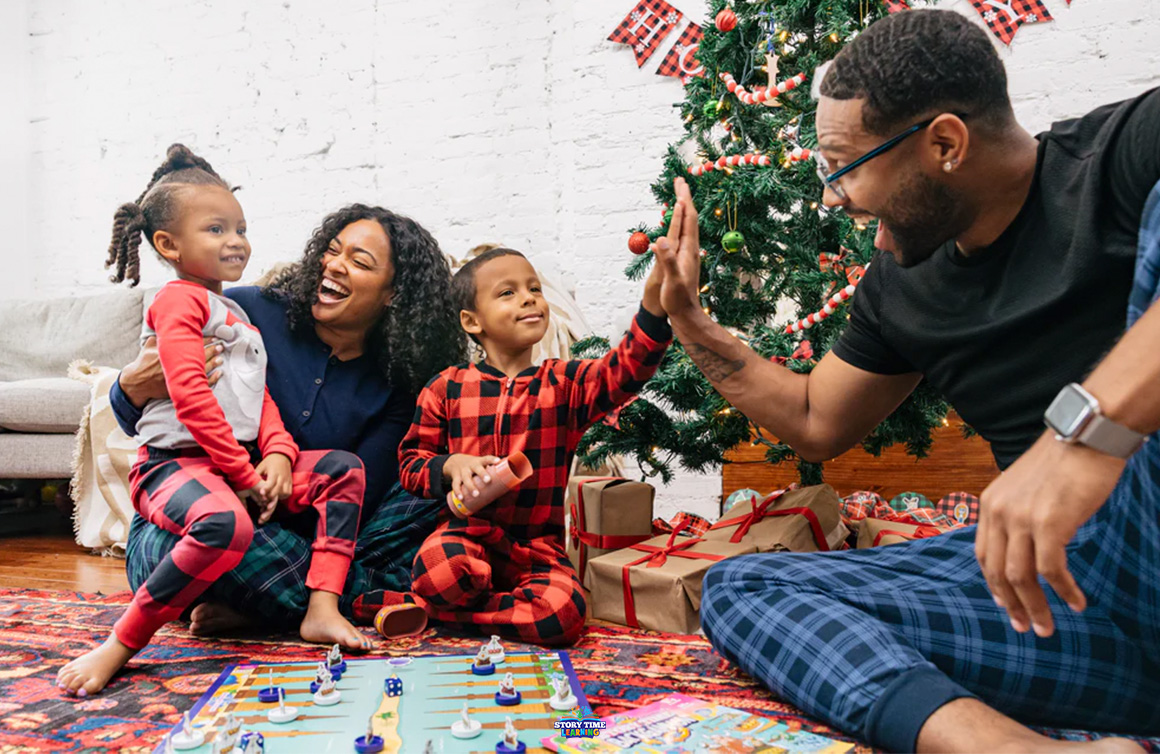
(916, 62)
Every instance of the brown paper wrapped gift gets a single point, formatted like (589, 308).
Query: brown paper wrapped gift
(797, 520)
(875, 532)
(656, 584)
(607, 514)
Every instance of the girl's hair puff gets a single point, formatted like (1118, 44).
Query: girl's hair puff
(156, 209)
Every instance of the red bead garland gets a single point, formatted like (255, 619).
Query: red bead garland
(731, 161)
(760, 95)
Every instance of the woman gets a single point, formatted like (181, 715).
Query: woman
(353, 332)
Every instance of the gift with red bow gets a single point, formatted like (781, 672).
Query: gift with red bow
(875, 532)
(807, 519)
(606, 514)
(656, 584)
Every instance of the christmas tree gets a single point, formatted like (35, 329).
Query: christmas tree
(767, 243)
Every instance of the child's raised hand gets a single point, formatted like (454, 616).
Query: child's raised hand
(277, 483)
(468, 473)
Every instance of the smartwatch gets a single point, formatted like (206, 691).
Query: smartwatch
(1075, 417)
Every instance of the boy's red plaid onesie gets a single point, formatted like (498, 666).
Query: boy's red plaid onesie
(505, 569)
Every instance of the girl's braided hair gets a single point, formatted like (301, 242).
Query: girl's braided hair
(155, 209)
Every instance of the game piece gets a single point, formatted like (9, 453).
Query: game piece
(327, 694)
(187, 737)
(398, 621)
(282, 714)
(483, 664)
(320, 677)
(369, 743)
(169, 744)
(495, 650)
(465, 727)
(563, 700)
(229, 732)
(510, 742)
(252, 743)
(398, 663)
(507, 694)
(335, 662)
(269, 695)
(429, 747)
(393, 685)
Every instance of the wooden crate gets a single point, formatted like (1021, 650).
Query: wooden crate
(955, 464)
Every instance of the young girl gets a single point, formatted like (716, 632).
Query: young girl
(198, 447)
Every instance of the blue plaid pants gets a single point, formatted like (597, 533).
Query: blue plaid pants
(270, 582)
(874, 641)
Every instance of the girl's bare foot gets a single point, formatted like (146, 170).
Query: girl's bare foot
(323, 624)
(212, 618)
(90, 672)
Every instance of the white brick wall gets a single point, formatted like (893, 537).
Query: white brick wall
(511, 121)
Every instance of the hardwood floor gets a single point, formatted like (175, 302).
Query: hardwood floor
(55, 561)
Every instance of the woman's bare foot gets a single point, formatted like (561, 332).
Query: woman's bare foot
(90, 672)
(323, 624)
(212, 618)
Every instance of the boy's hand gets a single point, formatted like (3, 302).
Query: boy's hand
(277, 484)
(461, 470)
(652, 290)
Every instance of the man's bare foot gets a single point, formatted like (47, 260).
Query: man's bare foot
(212, 618)
(90, 672)
(323, 624)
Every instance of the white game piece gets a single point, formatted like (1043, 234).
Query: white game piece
(327, 694)
(495, 650)
(169, 744)
(465, 727)
(187, 737)
(483, 658)
(322, 675)
(511, 737)
(507, 686)
(334, 656)
(229, 732)
(282, 714)
(563, 700)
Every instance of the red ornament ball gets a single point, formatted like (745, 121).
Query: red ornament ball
(638, 243)
(726, 20)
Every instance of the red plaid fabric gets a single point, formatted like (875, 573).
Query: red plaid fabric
(689, 523)
(184, 493)
(1005, 18)
(961, 507)
(681, 61)
(471, 574)
(542, 412)
(645, 27)
(894, 6)
(863, 504)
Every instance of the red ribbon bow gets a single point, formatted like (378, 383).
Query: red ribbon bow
(762, 511)
(655, 558)
(922, 532)
(582, 539)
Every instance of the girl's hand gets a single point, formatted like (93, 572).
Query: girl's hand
(142, 379)
(277, 484)
(462, 470)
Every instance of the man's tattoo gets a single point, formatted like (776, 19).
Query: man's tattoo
(715, 366)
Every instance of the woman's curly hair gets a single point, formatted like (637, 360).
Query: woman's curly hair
(418, 335)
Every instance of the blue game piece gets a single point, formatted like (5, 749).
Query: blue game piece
(268, 695)
(338, 670)
(485, 670)
(508, 701)
(314, 687)
(502, 748)
(362, 746)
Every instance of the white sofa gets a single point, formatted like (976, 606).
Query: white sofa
(40, 407)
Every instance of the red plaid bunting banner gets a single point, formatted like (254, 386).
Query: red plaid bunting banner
(681, 61)
(645, 27)
(1005, 18)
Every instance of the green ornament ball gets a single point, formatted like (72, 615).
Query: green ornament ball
(710, 109)
(733, 241)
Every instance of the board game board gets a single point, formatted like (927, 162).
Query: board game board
(434, 692)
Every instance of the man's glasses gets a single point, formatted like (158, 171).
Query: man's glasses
(830, 179)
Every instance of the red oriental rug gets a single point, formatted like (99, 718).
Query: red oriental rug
(41, 630)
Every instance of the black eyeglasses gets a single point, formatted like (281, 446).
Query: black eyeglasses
(831, 179)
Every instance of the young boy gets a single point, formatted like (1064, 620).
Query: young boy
(504, 569)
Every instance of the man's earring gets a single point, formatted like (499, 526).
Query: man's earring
(949, 165)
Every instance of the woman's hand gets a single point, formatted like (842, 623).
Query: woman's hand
(142, 379)
(278, 482)
(680, 254)
(462, 470)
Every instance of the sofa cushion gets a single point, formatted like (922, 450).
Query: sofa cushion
(35, 456)
(40, 337)
(46, 405)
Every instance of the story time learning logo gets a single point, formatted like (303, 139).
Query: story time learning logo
(580, 725)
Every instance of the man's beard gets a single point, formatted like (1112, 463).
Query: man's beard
(922, 215)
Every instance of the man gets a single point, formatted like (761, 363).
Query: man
(1006, 269)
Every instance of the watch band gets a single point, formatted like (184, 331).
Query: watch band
(1106, 436)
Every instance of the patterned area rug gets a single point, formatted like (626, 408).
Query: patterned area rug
(40, 631)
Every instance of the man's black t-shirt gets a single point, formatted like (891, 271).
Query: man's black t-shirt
(1001, 332)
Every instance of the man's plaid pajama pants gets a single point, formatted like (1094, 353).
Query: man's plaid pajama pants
(874, 641)
(208, 530)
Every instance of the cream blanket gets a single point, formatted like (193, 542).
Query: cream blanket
(101, 461)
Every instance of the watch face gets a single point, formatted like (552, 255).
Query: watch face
(1068, 412)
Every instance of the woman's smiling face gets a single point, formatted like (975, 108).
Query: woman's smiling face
(357, 277)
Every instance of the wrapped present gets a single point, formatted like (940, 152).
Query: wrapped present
(910, 501)
(875, 532)
(797, 520)
(606, 514)
(695, 525)
(863, 504)
(963, 507)
(656, 584)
